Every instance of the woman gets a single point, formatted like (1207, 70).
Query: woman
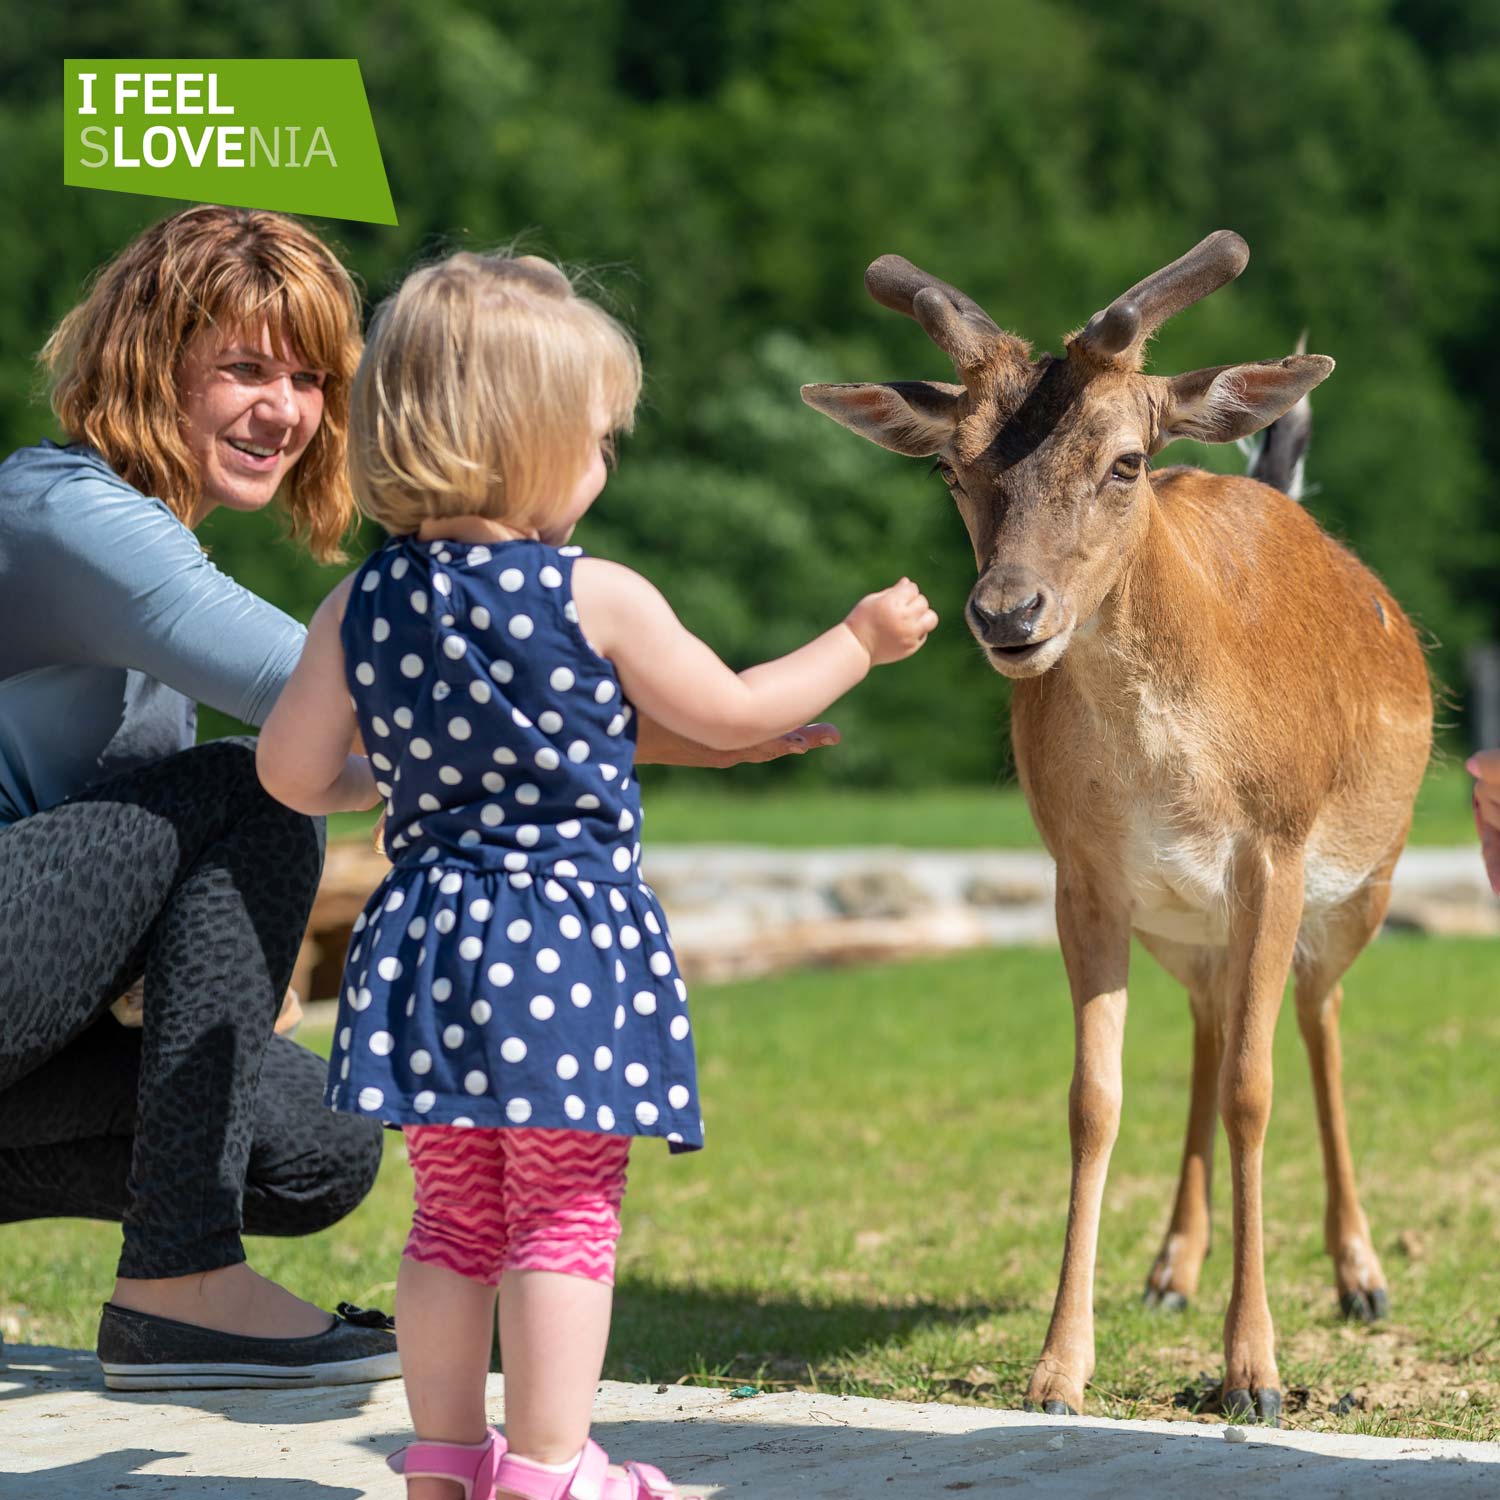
(208, 366)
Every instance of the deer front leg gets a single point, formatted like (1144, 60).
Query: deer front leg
(1174, 1278)
(1095, 933)
(1266, 911)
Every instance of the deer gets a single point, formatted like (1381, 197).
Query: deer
(1220, 719)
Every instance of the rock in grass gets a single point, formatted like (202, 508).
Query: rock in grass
(1236, 1435)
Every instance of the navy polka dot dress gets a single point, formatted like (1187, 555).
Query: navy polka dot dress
(512, 968)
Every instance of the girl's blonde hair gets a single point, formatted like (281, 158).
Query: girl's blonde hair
(114, 361)
(480, 392)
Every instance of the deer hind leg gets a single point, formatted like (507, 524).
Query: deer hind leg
(1095, 938)
(1265, 917)
(1173, 1280)
(1320, 997)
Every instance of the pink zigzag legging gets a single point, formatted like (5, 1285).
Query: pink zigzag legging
(491, 1201)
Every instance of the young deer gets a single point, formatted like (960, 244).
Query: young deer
(1220, 721)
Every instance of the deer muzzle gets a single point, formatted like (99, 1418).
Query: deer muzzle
(1019, 621)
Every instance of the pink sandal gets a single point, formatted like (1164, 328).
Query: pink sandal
(590, 1480)
(473, 1465)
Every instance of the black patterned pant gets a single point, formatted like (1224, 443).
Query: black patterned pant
(202, 1122)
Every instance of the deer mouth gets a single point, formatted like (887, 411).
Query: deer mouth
(1032, 658)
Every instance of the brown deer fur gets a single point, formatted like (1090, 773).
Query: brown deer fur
(1220, 720)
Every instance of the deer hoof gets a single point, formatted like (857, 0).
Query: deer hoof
(1167, 1301)
(1262, 1406)
(1365, 1307)
(1058, 1409)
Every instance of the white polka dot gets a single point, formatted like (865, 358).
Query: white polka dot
(518, 1111)
(395, 901)
(528, 794)
(651, 924)
(453, 1036)
(571, 551)
(661, 964)
(603, 1057)
(605, 1116)
(480, 1012)
(570, 926)
(440, 690)
(364, 674)
(452, 883)
(344, 1069)
(424, 1101)
(549, 577)
(515, 860)
(380, 726)
(403, 718)
(492, 781)
(398, 569)
(561, 679)
(500, 975)
(675, 1137)
(547, 960)
(567, 1066)
(420, 748)
(521, 722)
(441, 582)
(580, 995)
(479, 617)
(636, 1075)
(382, 1043)
(588, 802)
(578, 751)
(619, 971)
(479, 690)
(644, 1002)
(511, 580)
(513, 1049)
(602, 935)
(520, 626)
(620, 859)
(442, 989)
(619, 1018)
(609, 772)
(527, 835)
(453, 647)
(450, 775)
(428, 803)
(604, 692)
(681, 989)
(492, 815)
(501, 671)
(646, 1112)
(677, 1096)
(380, 762)
(460, 1122)
(554, 892)
(460, 728)
(481, 909)
(419, 601)
(573, 1107)
(371, 581)
(617, 900)
(629, 938)
(444, 922)
(565, 867)
(478, 556)
(542, 1007)
(411, 666)
(679, 1028)
(470, 948)
(615, 725)
(627, 820)
(345, 1033)
(371, 1098)
(548, 758)
(475, 1082)
(519, 930)
(549, 721)
(389, 968)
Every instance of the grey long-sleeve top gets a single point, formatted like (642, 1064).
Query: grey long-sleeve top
(114, 625)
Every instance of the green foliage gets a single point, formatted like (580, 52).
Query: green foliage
(730, 170)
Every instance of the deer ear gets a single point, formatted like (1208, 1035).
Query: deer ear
(914, 417)
(1232, 401)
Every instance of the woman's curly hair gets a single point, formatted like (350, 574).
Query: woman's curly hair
(114, 361)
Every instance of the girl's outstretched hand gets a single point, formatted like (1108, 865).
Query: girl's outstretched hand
(1484, 766)
(892, 624)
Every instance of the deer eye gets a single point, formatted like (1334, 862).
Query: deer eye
(1128, 467)
(944, 471)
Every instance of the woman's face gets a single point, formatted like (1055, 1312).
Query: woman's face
(248, 413)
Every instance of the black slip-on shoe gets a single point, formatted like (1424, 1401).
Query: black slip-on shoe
(141, 1352)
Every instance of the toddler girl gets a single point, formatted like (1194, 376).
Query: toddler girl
(510, 997)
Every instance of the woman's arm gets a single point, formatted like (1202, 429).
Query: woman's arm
(675, 678)
(303, 755)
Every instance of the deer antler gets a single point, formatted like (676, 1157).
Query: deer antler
(1123, 327)
(956, 323)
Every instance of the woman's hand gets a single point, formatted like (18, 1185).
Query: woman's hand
(1484, 766)
(658, 746)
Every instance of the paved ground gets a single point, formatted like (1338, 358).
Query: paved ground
(63, 1437)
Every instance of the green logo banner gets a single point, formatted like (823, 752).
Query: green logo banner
(288, 134)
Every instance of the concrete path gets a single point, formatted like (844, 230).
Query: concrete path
(64, 1437)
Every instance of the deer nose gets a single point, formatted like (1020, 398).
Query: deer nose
(1013, 626)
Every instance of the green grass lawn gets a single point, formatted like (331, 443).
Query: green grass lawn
(799, 816)
(880, 1208)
